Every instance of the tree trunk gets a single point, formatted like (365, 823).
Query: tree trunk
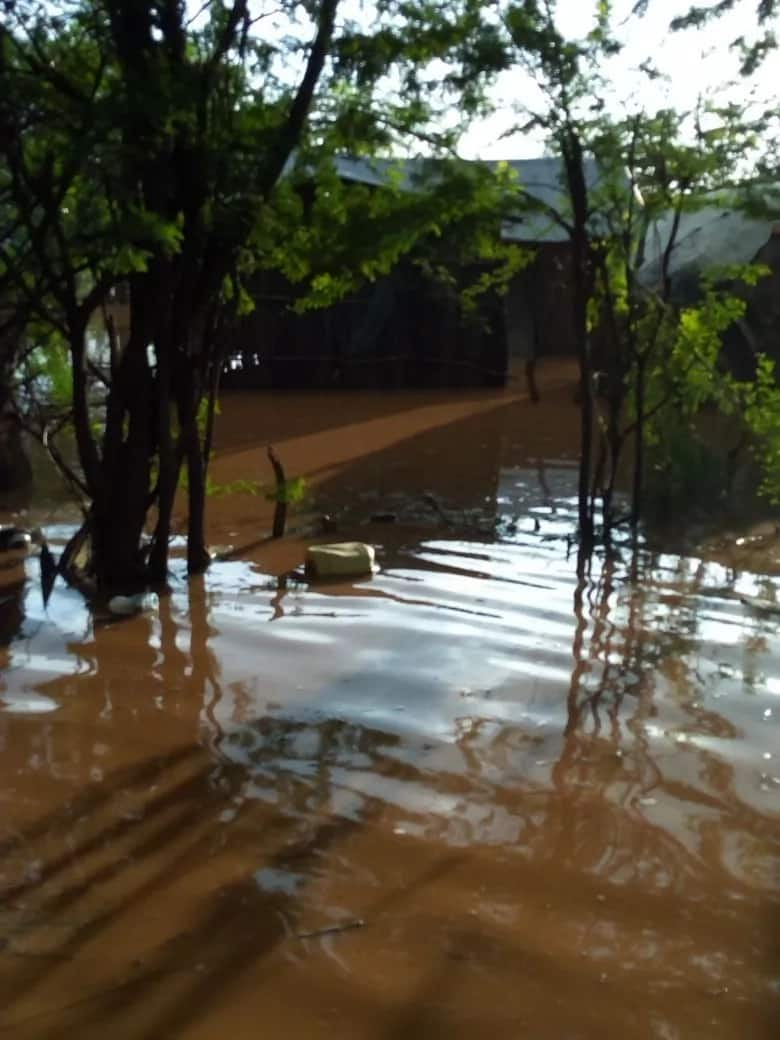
(214, 378)
(85, 441)
(578, 192)
(169, 465)
(614, 447)
(15, 468)
(530, 380)
(121, 504)
(118, 484)
(586, 401)
(280, 509)
(639, 450)
(198, 557)
(118, 526)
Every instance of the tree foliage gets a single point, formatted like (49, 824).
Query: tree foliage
(174, 153)
(148, 148)
(753, 49)
(648, 364)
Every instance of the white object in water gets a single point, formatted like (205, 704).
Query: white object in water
(124, 606)
(340, 560)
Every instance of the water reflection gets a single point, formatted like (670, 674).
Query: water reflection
(552, 800)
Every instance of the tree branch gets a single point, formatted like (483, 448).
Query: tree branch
(290, 133)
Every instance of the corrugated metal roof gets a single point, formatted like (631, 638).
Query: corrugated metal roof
(542, 179)
(710, 237)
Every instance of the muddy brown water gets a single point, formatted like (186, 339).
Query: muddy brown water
(471, 796)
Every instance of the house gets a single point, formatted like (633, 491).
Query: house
(406, 330)
(716, 236)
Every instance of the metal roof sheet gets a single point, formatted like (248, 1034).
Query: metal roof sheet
(542, 179)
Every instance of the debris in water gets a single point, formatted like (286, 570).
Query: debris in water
(431, 501)
(221, 552)
(333, 929)
(340, 560)
(756, 535)
(125, 606)
(48, 572)
(761, 605)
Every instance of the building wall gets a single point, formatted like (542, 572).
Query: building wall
(538, 307)
(402, 331)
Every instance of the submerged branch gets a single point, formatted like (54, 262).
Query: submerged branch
(280, 509)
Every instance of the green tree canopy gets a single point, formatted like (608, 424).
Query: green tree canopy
(147, 146)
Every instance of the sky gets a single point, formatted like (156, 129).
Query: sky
(695, 62)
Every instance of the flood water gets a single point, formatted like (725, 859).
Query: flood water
(471, 796)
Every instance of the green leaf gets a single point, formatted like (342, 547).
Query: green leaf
(293, 491)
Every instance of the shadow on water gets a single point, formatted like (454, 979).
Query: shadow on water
(165, 803)
(267, 821)
(488, 792)
(254, 417)
(452, 447)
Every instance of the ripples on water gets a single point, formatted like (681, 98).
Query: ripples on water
(553, 804)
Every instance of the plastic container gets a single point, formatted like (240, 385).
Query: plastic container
(340, 560)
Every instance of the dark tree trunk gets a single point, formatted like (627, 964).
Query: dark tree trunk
(581, 275)
(615, 442)
(211, 413)
(586, 422)
(15, 468)
(85, 442)
(530, 380)
(198, 558)
(167, 157)
(120, 512)
(169, 465)
(122, 498)
(280, 509)
(639, 450)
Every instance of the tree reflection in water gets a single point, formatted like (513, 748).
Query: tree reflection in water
(184, 816)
